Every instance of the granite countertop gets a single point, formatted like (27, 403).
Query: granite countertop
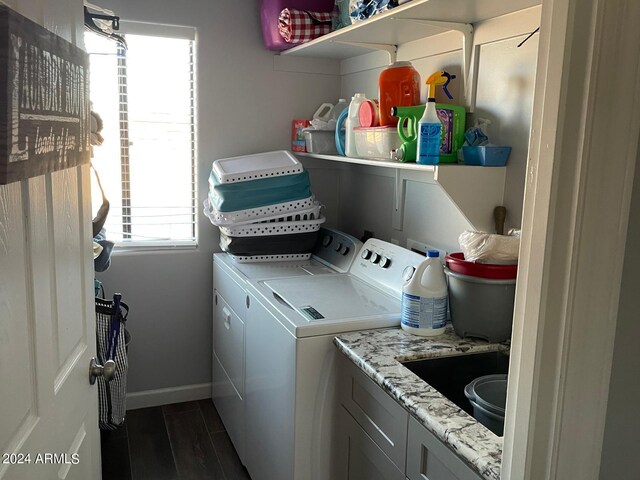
(378, 353)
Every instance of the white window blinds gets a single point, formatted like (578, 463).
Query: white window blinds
(146, 97)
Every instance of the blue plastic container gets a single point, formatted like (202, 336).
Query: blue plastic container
(489, 156)
(231, 197)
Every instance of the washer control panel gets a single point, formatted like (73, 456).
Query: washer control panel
(336, 249)
(385, 265)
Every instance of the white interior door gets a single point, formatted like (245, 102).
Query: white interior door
(48, 410)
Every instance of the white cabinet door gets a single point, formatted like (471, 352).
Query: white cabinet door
(430, 459)
(47, 319)
(379, 415)
(360, 458)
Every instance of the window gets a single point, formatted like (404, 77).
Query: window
(147, 163)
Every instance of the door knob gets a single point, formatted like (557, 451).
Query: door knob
(108, 370)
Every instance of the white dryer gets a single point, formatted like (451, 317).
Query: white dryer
(290, 357)
(334, 253)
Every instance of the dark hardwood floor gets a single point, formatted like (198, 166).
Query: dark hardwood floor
(183, 441)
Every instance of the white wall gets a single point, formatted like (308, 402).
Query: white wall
(244, 106)
(504, 95)
(246, 103)
(621, 444)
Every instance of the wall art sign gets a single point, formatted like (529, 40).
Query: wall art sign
(44, 100)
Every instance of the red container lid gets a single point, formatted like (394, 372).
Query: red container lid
(457, 263)
(368, 114)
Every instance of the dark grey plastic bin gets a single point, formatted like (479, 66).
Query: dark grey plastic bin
(492, 421)
(488, 395)
(480, 307)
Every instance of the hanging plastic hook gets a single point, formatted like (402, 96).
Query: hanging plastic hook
(103, 23)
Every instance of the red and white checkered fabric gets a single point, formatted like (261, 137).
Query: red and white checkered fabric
(299, 26)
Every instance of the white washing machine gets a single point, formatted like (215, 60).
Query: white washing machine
(334, 253)
(290, 357)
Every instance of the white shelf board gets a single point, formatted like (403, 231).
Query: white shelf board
(475, 190)
(389, 29)
(368, 161)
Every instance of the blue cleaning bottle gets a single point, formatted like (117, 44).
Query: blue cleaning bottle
(429, 135)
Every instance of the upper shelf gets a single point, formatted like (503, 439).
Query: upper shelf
(392, 27)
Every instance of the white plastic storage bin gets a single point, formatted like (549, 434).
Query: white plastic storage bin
(320, 141)
(376, 142)
(258, 166)
(299, 210)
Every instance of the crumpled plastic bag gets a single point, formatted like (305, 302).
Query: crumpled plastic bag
(477, 136)
(489, 248)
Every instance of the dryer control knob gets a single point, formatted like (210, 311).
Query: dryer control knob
(366, 254)
(384, 262)
(326, 241)
(344, 250)
(375, 258)
(407, 273)
(338, 247)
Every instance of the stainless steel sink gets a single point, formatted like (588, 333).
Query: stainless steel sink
(449, 375)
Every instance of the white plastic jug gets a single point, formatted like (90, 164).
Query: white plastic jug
(424, 299)
(338, 108)
(324, 112)
(353, 121)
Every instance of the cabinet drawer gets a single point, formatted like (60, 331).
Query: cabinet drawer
(228, 341)
(384, 420)
(430, 459)
(232, 291)
(360, 458)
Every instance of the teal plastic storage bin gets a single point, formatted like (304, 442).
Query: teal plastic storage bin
(489, 156)
(231, 197)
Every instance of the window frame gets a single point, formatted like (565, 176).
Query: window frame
(162, 31)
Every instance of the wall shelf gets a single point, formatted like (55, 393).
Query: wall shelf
(374, 163)
(474, 190)
(385, 29)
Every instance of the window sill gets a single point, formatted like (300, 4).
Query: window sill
(136, 248)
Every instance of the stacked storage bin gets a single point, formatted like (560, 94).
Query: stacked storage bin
(264, 207)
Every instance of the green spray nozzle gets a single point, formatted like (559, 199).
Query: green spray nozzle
(439, 78)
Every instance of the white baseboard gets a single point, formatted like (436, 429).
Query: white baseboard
(165, 396)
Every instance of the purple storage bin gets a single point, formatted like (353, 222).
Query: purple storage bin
(270, 11)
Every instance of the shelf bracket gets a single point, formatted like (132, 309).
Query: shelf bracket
(392, 50)
(398, 205)
(466, 29)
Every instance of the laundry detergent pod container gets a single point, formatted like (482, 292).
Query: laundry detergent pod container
(488, 397)
(481, 299)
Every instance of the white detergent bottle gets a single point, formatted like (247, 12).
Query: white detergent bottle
(353, 121)
(424, 299)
